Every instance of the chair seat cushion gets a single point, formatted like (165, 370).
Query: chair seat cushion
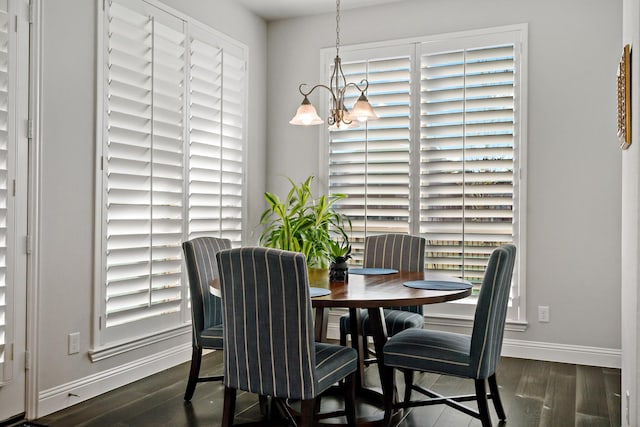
(430, 351)
(396, 321)
(333, 363)
(211, 337)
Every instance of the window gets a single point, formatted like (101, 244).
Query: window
(444, 159)
(172, 160)
(466, 154)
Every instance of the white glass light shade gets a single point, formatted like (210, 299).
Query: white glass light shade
(343, 125)
(342, 119)
(362, 110)
(306, 115)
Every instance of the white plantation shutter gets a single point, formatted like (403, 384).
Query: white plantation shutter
(167, 176)
(467, 155)
(233, 125)
(371, 163)
(164, 160)
(127, 164)
(443, 160)
(205, 157)
(144, 164)
(216, 139)
(5, 291)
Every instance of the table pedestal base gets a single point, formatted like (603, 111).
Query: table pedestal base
(366, 397)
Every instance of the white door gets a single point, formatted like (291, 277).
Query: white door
(14, 92)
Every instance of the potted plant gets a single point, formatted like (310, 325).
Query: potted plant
(340, 252)
(304, 223)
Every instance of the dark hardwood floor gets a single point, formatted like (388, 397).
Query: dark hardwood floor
(534, 393)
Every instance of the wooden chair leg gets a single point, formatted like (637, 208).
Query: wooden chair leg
(229, 406)
(495, 396)
(318, 404)
(408, 384)
(196, 359)
(370, 353)
(307, 412)
(355, 322)
(350, 399)
(343, 339)
(263, 402)
(343, 342)
(387, 379)
(483, 408)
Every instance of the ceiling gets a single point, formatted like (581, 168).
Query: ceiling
(281, 9)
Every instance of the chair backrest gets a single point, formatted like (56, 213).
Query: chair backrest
(491, 311)
(202, 268)
(402, 252)
(268, 329)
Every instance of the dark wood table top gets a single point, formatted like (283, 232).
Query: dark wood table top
(384, 290)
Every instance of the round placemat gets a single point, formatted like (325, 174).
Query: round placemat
(318, 292)
(372, 271)
(438, 285)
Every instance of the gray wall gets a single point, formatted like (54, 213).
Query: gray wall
(66, 243)
(574, 165)
(630, 230)
(573, 206)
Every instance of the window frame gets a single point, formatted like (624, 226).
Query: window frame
(458, 313)
(105, 344)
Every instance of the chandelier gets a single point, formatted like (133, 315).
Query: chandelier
(340, 117)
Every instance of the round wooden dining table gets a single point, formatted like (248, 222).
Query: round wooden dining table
(374, 292)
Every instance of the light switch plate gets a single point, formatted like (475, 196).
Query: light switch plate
(74, 343)
(543, 313)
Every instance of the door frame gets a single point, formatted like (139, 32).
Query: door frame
(33, 208)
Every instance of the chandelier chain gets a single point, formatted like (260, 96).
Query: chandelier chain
(337, 27)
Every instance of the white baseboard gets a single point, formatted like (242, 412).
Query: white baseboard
(71, 393)
(564, 353)
(552, 352)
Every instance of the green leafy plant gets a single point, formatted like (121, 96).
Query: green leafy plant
(303, 223)
(339, 251)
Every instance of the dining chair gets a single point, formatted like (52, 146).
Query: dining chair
(401, 252)
(206, 308)
(474, 356)
(269, 335)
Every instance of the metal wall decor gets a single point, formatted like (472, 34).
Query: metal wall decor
(624, 98)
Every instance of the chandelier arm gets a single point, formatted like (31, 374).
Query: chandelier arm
(357, 86)
(314, 88)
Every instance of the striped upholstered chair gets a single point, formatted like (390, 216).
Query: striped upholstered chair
(472, 356)
(269, 334)
(206, 309)
(403, 253)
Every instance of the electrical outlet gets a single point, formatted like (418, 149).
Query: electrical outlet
(543, 313)
(74, 343)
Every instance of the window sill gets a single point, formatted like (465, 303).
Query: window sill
(114, 349)
(436, 321)
(467, 322)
